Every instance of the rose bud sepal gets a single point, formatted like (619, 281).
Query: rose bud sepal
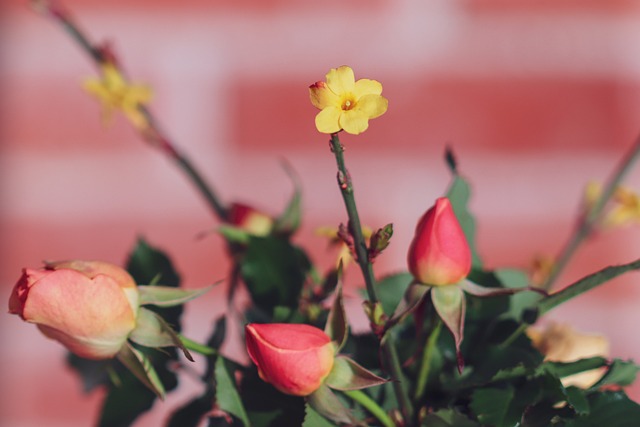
(450, 304)
(142, 368)
(346, 374)
(327, 404)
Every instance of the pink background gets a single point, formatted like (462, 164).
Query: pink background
(536, 97)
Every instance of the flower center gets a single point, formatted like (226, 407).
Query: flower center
(348, 103)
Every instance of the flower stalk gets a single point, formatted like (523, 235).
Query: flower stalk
(150, 132)
(388, 347)
(371, 406)
(592, 215)
(427, 357)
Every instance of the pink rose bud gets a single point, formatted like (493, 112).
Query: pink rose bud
(294, 358)
(250, 220)
(88, 306)
(439, 253)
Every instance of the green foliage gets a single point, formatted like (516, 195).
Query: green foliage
(459, 193)
(227, 397)
(313, 419)
(126, 402)
(274, 271)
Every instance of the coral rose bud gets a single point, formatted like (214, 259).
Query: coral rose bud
(88, 306)
(439, 253)
(294, 358)
(250, 220)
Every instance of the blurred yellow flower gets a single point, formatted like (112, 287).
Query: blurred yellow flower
(623, 209)
(345, 253)
(346, 103)
(561, 343)
(115, 93)
(541, 268)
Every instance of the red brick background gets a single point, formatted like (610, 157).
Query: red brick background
(535, 97)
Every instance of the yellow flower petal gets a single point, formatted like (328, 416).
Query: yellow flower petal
(328, 120)
(373, 105)
(341, 80)
(321, 96)
(367, 87)
(354, 121)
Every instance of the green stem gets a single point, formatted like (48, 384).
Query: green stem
(514, 335)
(427, 357)
(197, 347)
(205, 189)
(362, 255)
(346, 188)
(577, 288)
(589, 218)
(153, 135)
(371, 406)
(585, 284)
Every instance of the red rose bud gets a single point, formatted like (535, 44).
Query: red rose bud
(250, 220)
(88, 306)
(439, 253)
(294, 358)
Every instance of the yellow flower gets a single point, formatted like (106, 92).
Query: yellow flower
(345, 252)
(345, 103)
(561, 343)
(115, 93)
(624, 206)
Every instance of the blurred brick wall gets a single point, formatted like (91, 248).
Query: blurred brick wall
(535, 97)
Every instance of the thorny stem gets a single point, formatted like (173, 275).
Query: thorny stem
(388, 347)
(589, 218)
(152, 134)
(371, 406)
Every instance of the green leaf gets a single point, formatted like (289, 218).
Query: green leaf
(146, 263)
(150, 265)
(124, 404)
(166, 296)
(346, 374)
(327, 404)
(576, 397)
(622, 373)
(448, 418)
(491, 405)
(337, 326)
(610, 409)
(313, 419)
(521, 301)
(274, 271)
(458, 194)
(289, 221)
(140, 366)
(227, 396)
(564, 369)
(585, 284)
(449, 302)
